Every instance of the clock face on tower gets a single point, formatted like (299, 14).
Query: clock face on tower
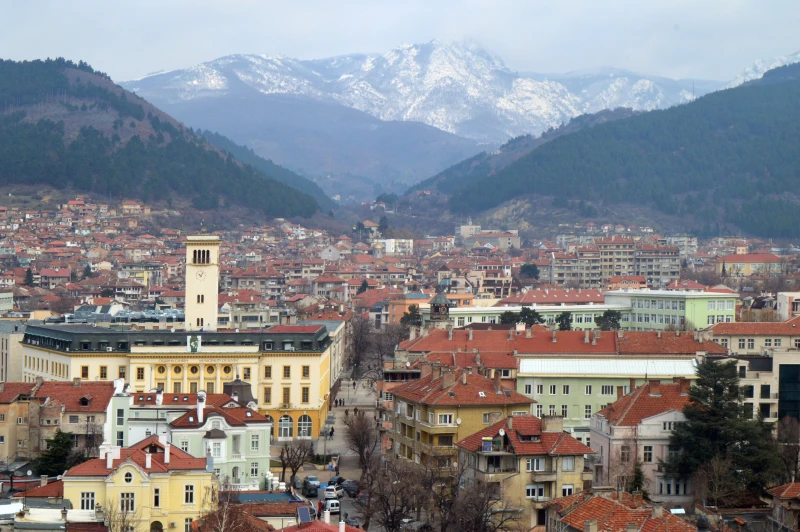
(200, 274)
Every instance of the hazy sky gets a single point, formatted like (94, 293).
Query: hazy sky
(674, 38)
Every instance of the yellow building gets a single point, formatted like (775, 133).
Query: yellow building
(288, 367)
(526, 462)
(446, 405)
(14, 417)
(150, 486)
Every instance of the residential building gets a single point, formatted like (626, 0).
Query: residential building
(617, 254)
(637, 428)
(444, 406)
(752, 338)
(788, 305)
(660, 265)
(748, 264)
(152, 485)
(11, 334)
(677, 309)
(15, 414)
(497, 239)
(581, 269)
(785, 506)
(527, 462)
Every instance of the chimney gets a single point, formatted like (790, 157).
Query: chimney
(511, 334)
(496, 380)
(463, 377)
(2, 386)
(449, 333)
(159, 397)
(620, 333)
(201, 405)
(109, 460)
(470, 338)
(554, 336)
(586, 337)
(448, 379)
(477, 358)
(552, 424)
(590, 525)
(148, 461)
(655, 388)
(341, 526)
(633, 384)
(659, 335)
(620, 392)
(685, 385)
(43, 480)
(510, 423)
(528, 333)
(631, 527)
(436, 371)
(658, 511)
(427, 369)
(326, 516)
(638, 498)
(76, 381)
(166, 453)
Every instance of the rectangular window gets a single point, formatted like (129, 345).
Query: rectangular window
(625, 453)
(723, 342)
(445, 419)
(268, 372)
(567, 490)
(156, 497)
(87, 500)
(534, 464)
(534, 491)
(607, 390)
(552, 410)
(123, 371)
(564, 411)
(588, 389)
(304, 395)
(538, 410)
(528, 389)
(185, 446)
(767, 342)
(246, 374)
(765, 391)
(267, 395)
(2, 417)
(216, 449)
(306, 372)
(647, 456)
(741, 343)
(565, 389)
(104, 372)
(587, 412)
(286, 395)
(139, 374)
(777, 342)
(539, 389)
(287, 372)
(552, 389)
(120, 416)
(568, 463)
(188, 494)
(72, 419)
(84, 372)
(254, 469)
(127, 503)
(751, 343)
(120, 438)
(710, 305)
(489, 417)
(255, 442)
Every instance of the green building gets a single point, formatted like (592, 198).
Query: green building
(684, 309)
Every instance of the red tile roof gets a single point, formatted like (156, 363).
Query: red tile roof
(554, 296)
(12, 390)
(649, 343)
(431, 391)
(51, 489)
(179, 460)
(69, 395)
(319, 526)
(786, 491)
(541, 341)
(237, 417)
(785, 328)
(520, 430)
(464, 360)
(753, 258)
(642, 404)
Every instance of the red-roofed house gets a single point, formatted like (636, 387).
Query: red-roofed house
(747, 264)
(786, 505)
(638, 427)
(528, 460)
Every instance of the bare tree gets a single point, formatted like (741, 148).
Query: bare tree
(362, 437)
(481, 508)
(360, 340)
(293, 455)
(120, 514)
(789, 448)
(382, 349)
(225, 514)
(392, 495)
(717, 482)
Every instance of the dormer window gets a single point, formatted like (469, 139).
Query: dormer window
(191, 419)
(84, 401)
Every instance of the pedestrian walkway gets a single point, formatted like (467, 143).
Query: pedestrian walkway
(360, 397)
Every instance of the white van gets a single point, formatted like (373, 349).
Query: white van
(332, 506)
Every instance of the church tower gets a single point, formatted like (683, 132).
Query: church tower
(202, 282)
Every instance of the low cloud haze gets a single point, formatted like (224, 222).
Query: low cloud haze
(673, 38)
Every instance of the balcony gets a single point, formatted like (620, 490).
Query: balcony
(442, 428)
(494, 474)
(547, 475)
(587, 474)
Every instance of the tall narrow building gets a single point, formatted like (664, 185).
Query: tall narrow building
(202, 282)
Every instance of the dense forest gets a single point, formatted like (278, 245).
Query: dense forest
(170, 161)
(268, 168)
(731, 157)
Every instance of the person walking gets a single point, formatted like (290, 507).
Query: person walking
(331, 432)
(319, 509)
(354, 385)
(346, 412)
(355, 411)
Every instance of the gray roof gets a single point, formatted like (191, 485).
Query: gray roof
(440, 299)
(10, 326)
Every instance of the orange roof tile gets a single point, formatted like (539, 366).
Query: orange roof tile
(642, 404)
(432, 390)
(521, 431)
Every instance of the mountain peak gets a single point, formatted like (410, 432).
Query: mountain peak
(760, 67)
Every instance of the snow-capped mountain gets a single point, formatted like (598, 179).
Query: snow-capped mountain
(457, 87)
(757, 69)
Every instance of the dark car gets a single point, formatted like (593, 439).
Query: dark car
(298, 483)
(352, 522)
(310, 490)
(350, 487)
(336, 480)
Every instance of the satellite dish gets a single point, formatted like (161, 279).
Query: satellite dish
(408, 364)
(458, 421)
(29, 473)
(502, 432)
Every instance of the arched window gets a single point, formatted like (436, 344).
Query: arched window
(304, 426)
(285, 427)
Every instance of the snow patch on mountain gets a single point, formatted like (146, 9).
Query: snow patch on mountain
(757, 69)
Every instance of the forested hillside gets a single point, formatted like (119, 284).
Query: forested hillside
(269, 168)
(64, 125)
(729, 157)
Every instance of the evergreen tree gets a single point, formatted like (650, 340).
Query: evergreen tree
(383, 225)
(564, 321)
(411, 318)
(530, 271)
(530, 317)
(509, 317)
(87, 272)
(718, 430)
(363, 288)
(59, 457)
(637, 481)
(609, 320)
(29, 277)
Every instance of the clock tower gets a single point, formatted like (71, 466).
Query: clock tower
(202, 282)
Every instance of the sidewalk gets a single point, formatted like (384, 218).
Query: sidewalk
(361, 398)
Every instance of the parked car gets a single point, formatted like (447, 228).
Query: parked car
(311, 479)
(352, 522)
(336, 480)
(350, 487)
(363, 497)
(333, 492)
(298, 483)
(309, 490)
(332, 505)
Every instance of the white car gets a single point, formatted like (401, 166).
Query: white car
(333, 492)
